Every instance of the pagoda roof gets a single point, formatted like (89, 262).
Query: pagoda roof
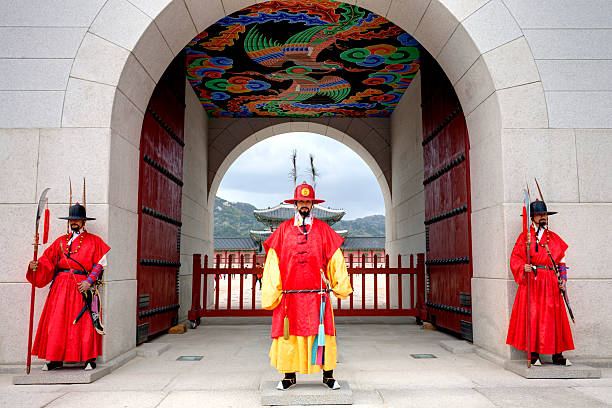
(364, 243)
(284, 211)
(261, 236)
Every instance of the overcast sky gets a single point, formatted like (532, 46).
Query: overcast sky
(260, 176)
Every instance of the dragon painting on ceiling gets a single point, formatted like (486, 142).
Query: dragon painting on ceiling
(301, 58)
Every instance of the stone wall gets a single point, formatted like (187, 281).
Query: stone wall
(532, 78)
(404, 223)
(197, 228)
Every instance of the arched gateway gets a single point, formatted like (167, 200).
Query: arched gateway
(478, 45)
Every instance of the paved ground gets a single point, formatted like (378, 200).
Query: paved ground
(375, 359)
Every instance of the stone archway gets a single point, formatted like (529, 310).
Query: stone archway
(379, 165)
(479, 46)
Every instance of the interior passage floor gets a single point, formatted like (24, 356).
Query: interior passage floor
(375, 358)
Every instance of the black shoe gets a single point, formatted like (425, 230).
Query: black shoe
(287, 382)
(535, 359)
(331, 383)
(328, 379)
(90, 364)
(52, 365)
(558, 359)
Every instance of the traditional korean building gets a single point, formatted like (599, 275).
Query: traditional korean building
(252, 250)
(272, 217)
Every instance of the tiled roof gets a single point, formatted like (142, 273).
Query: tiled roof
(235, 243)
(364, 243)
(261, 236)
(284, 211)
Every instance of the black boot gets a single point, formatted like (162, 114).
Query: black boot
(328, 379)
(535, 359)
(558, 359)
(287, 382)
(52, 365)
(90, 364)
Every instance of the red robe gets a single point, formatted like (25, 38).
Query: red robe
(301, 258)
(57, 339)
(550, 329)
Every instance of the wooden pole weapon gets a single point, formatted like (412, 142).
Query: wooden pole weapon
(527, 232)
(41, 206)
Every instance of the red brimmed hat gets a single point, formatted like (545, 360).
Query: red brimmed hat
(304, 192)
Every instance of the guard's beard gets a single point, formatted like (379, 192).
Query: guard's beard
(304, 212)
(75, 227)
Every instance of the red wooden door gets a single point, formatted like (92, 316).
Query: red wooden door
(159, 203)
(447, 203)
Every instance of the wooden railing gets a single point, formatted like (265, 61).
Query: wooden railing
(208, 303)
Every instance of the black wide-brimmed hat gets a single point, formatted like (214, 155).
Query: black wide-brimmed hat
(77, 212)
(539, 207)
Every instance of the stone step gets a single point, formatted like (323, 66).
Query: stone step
(457, 346)
(549, 370)
(64, 375)
(306, 393)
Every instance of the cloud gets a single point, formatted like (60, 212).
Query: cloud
(260, 175)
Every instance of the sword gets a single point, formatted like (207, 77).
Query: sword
(563, 292)
(41, 205)
(526, 218)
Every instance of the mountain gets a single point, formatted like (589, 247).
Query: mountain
(234, 220)
(370, 226)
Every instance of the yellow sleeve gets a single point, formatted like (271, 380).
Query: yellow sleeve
(338, 276)
(271, 287)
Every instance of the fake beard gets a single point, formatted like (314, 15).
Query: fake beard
(304, 213)
(75, 227)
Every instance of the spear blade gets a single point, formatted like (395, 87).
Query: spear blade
(41, 207)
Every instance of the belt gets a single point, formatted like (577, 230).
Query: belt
(306, 291)
(77, 271)
(544, 267)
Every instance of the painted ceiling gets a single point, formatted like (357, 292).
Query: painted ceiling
(298, 58)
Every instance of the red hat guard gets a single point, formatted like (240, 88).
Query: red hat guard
(304, 192)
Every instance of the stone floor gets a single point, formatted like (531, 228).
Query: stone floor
(374, 358)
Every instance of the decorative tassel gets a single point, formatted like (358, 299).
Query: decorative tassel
(94, 304)
(321, 335)
(313, 352)
(319, 355)
(286, 328)
(46, 226)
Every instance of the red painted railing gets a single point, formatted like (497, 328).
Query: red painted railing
(203, 276)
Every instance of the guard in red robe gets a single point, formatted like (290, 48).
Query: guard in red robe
(304, 264)
(69, 328)
(550, 329)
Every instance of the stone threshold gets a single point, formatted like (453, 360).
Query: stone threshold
(73, 373)
(552, 371)
(306, 393)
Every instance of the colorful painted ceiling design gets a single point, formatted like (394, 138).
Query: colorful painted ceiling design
(301, 58)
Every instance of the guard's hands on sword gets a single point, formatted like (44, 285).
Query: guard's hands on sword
(563, 285)
(83, 286)
(33, 265)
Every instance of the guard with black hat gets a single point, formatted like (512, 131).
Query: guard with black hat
(70, 327)
(539, 322)
(304, 264)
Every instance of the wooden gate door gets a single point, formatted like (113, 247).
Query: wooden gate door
(447, 203)
(159, 203)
